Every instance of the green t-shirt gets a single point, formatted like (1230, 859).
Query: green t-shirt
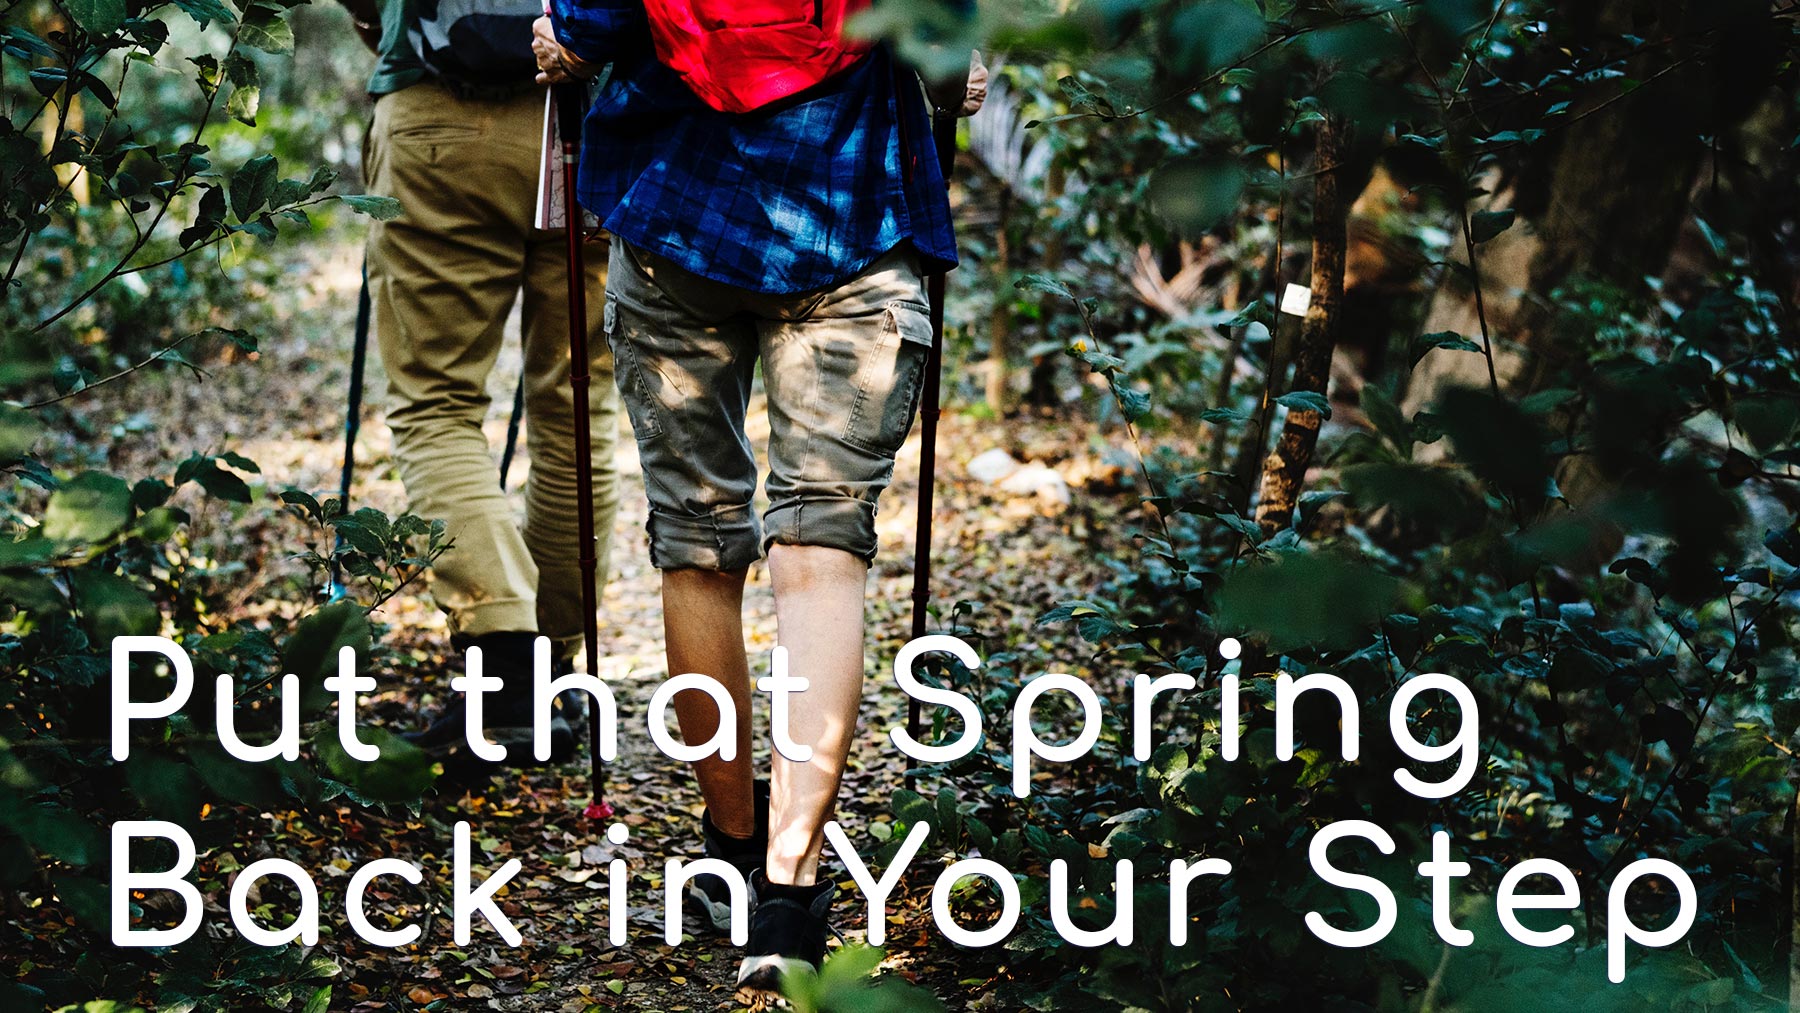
(397, 63)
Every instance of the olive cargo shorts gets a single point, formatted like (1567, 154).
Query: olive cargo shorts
(842, 369)
(443, 277)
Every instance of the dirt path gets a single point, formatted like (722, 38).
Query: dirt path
(285, 413)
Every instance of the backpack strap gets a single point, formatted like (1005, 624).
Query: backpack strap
(907, 156)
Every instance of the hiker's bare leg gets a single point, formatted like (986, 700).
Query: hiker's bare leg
(819, 613)
(703, 628)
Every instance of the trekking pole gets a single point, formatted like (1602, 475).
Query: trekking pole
(359, 356)
(512, 430)
(571, 105)
(943, 134)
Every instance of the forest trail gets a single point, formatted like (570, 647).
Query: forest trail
(1015, 559)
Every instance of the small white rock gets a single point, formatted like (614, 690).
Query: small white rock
(1040, 481)
(993, 466)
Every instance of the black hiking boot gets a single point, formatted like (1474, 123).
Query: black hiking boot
(568, 716)
(506, 713)
(712, 893)
(787, 931)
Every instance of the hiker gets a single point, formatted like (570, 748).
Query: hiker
(456, 138)
(798, 235)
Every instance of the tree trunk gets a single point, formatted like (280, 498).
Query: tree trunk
(1794, 904)
(1284, 472)
(1607, 205)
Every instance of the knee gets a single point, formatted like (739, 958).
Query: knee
(695, 579)
(432, 415)
(804, 567)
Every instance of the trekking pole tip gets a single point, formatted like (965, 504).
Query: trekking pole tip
(598, 811)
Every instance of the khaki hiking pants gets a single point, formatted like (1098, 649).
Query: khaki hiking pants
(443, 277)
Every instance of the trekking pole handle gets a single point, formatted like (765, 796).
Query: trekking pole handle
(571, 108)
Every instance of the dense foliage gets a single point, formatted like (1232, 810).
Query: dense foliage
(1537, 428)
(1589, 519)
(117, 178)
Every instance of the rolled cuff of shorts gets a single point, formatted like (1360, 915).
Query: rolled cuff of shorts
(838, 523)
(725, 539)
(495, 615)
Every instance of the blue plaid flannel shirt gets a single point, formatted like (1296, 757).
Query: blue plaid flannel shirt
(795, 198)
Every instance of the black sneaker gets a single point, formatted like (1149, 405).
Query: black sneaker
(712, 893)
(787, 931)
(568, 716)
(507, 713)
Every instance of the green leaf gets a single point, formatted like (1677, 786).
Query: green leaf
(289, 192)
(18, 995)
(206, 74)
(97, 17)
(31, 592)
(1194, 194)
(234, 780)
(320, 1001)
(1767, 422)
(382, 209)
(24, 42)
(1133, 402)
(205, 472)
(19, 432)
(242, 105)
(1310, 599)
(22, 360)
(367, 531)
(1545, 401)
(322, 178)
(1043, 283)
(1429, 494)
(1441, 339)
(90, 507)
(167, 788)
(1066, 611)
(1214, 34)
(251, 186)
(1306, 401)
(1751, 981)
(1386, 417)
(847, 966)
(266, 30)
(26, 552)
(207, 219)
(87, 900)
(1497, 441)
(844, 983)
(113, 606)
(1485, 225)
(312, 651)
(303, 501)
(205, 11)
(59, 833)
(246, 93)
(240, 69)
(1081, 97)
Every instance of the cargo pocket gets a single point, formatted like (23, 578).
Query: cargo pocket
(890, 380)
(646, 423)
